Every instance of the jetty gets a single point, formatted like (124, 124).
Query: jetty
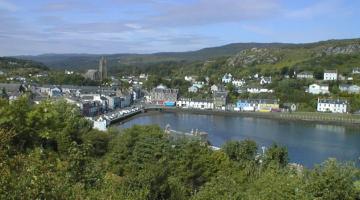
(105, 120)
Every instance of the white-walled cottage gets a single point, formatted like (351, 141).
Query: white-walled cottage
(332, 105)
(318, 89)
(331, 75)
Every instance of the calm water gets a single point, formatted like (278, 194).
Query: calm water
(307, 143)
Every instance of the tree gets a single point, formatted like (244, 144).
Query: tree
(276, 156)
(243, 151)
(4, 94)
(277, 184)
(53, 152)
(332, 181)
(98, 141)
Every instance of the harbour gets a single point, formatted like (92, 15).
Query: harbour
(302, 139)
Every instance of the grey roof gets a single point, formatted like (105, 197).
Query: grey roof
(333, 101)
(165, 90)
(196, 100)
(305, 73)
(221, 94)
(262, 101)
(10, 87)
(344, 85)
(87, 97)
(330, 71)
(321, 84)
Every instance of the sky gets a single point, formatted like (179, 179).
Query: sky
(147, 26)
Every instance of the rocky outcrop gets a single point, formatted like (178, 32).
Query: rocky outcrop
(348, 49)
(253, 56)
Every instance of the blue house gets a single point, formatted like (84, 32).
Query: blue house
(247, 105)
(242, 104)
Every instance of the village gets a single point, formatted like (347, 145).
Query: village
(97, 100)
(162, 95)
(94, 100)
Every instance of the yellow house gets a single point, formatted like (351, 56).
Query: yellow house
(268, 105)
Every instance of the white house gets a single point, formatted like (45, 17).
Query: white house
(55, 92)
(195, 104)
(100, 124)
(305, 75)
(193, 89)
(351, 89)
(227, 78)
(103, 101)
(330, 75)
(331, 105)
(238, 83)
(143, 76)
(190, 78)
(199, 84)
(318, 89)
(68, 72)
(256, 90)
(52, 91)
(265, 80)
(216, 88)
(356, 70)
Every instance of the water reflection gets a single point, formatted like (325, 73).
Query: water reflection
(307, 143)
(331, 128)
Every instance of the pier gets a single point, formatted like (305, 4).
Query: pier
(105, 120)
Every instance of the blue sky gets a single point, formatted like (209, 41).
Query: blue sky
(147, 26)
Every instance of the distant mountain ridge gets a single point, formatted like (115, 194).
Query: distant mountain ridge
(9, 63)
(87, 61)
(295, 55)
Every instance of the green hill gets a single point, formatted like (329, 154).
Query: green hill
(254, 57)
(87, 61)
(334, 54)
(8, 63)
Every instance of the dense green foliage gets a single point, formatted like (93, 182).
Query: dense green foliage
(18, 67)
(59, 78)
(48, 151)
(13, 63)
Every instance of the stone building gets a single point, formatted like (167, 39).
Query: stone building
(100, 74)
(92, 74)
(161, 94)
(220, 100)
(103, 69)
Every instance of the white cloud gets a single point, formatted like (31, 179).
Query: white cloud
(133, 26)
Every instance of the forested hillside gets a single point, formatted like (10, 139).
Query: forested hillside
(48, 151)
(240, 58)
(86, 61)
(8, 63)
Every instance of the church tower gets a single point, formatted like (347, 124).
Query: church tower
(103, 69)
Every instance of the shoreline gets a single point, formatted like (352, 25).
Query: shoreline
(319, 118)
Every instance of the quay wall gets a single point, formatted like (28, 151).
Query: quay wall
(325, 118)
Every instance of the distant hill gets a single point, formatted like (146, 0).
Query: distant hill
(237, 55)
(335, 54)
(9, 63)
(86, 61)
